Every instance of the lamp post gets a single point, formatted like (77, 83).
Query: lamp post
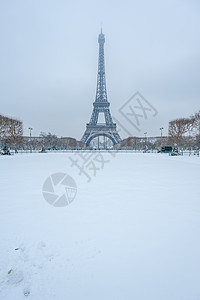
(161, 129)
(30, 128)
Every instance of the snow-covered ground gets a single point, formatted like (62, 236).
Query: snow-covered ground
(132, 232)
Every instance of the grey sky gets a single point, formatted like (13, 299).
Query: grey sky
(49, 55)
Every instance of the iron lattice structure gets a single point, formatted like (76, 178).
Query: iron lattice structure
(101, 105)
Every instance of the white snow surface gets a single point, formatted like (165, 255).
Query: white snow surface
(133, 232)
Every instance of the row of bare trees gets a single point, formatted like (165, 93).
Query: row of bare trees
(185, 132)
(49, 141)
(11, 131)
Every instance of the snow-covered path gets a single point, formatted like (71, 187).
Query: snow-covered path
(132, 232)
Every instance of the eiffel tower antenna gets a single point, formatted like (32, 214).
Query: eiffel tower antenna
(101, 105)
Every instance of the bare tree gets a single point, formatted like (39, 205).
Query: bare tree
(15, 132)
(49, 140)
(196, 117)
(4, 126)
(177, 129)
(11, 131)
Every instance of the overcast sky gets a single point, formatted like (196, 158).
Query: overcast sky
(49, 56)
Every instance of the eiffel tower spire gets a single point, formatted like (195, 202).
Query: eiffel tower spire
(101, 94)
(101, 105)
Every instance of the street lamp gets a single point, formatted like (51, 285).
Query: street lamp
(30, 128)
(161, 129)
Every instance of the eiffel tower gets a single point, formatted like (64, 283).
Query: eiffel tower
(101, 105)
